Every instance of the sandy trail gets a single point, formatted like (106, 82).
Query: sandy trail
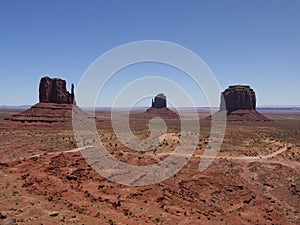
(231, 157)
(264, 158)
(57, 153)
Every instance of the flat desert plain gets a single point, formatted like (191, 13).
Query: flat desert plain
(255, 178)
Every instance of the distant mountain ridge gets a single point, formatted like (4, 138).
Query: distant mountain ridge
(12, 107)
(278, 108)
(267, 107)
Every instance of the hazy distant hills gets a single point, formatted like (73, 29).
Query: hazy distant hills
(200, 109)
(278, 107)
(17, 108)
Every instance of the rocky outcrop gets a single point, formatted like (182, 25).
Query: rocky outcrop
(239, 101)
(160, 101)
(53, 90)
(158, 109)
(238, 97)
(47, 113)
(56, 104)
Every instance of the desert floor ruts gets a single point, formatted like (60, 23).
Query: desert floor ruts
(255, 178)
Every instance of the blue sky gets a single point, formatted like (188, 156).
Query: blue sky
(243, 42)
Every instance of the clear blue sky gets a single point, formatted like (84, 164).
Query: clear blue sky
(243, 42)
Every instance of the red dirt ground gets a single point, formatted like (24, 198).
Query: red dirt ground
(60, 188)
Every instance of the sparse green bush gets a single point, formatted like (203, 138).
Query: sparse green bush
(157, 219)
(81, 211)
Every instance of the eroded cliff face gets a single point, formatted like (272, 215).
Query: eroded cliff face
(53, 90)
(239, 102)
(56, 104)
(238, 97)
(160, 101)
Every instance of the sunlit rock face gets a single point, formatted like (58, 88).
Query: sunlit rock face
(160, 101)
(238, 97)
(53, 90)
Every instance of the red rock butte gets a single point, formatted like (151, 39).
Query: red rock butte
(240, 103)
(158, 109)
(160, 101)
(54, 91)
(55, 103)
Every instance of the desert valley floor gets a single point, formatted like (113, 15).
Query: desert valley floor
(255, 179)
